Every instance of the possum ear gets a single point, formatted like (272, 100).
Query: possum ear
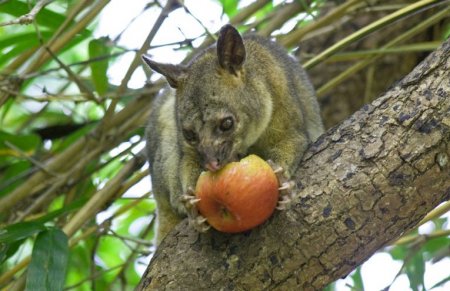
(230, 49)
(174, 73)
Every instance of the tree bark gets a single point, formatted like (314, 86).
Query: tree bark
(361, 185)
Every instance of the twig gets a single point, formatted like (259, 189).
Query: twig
(169, 7)
(43, 198)
(57, 42)
(86, 62)
(422, 237)
(362, 64)
(437, 212)
(127, 119)
(280, 17)
(94, 276)
(135, 251)
(367, 30)
(331, 17)
(9, 274)
(32, 160)
(74, 77)
(132, 239)
(29, 17)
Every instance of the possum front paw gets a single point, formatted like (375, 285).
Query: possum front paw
(196, 220)
(287, 187)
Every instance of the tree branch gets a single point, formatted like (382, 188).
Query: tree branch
(29, 17)
(361, 185)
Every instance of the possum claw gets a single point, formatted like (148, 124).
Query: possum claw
(197, 221)
(287, 187)
(276, 168)
(283, 204)
(200, 224)
(189, 202)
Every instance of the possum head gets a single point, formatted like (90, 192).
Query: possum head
(221, 109)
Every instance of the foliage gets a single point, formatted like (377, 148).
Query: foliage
(71, 139)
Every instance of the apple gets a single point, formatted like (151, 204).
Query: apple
(239, 196)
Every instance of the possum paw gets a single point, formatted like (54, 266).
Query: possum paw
(287, 187)
(196, 220)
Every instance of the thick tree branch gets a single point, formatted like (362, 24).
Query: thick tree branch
(361, 185)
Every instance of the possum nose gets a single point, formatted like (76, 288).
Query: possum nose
(212, 166)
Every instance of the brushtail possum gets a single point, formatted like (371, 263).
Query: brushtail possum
(243, 95)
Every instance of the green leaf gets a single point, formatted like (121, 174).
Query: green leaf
(415, 270)
(64, 210)
(440, 222)
(262, 13)
(21, 230)
(446, 32)
(8, 250)
(331, 287)
(435, 246)
(14, 175)
(142, 210)
(18, 43)
(72, 138)
(29, 38)
(440, 283)
(27, 143)
(109, 170)
(14, 52)
(357, 280)
(14, 235)
(99, 48)
(48, 266)
(398, 253)
(112, 252)
(80, 265)
(229, 7)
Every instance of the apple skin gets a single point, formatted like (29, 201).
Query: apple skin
(239, 196)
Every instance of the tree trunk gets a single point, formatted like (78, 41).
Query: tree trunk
(361, 185)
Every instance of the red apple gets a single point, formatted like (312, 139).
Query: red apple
(239, 196)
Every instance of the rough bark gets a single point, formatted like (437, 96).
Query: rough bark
(361, 185)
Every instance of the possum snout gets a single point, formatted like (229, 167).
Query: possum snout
(215, 155)
(212, 166)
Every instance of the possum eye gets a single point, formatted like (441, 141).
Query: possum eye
(226, 124)
(190, 135)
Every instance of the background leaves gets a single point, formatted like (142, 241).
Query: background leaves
(47, 270)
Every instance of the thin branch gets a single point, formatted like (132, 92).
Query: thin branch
(437, 212)
(422, 237)
(362, 64)
(74, 77)
(82, 63)
(95, 143)
(334, 15)
(131, 239)
(369, 29)
(29, 17)
(8, 275)
(93, 276)
(38, 164)
(59, 40)
(169, 7)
